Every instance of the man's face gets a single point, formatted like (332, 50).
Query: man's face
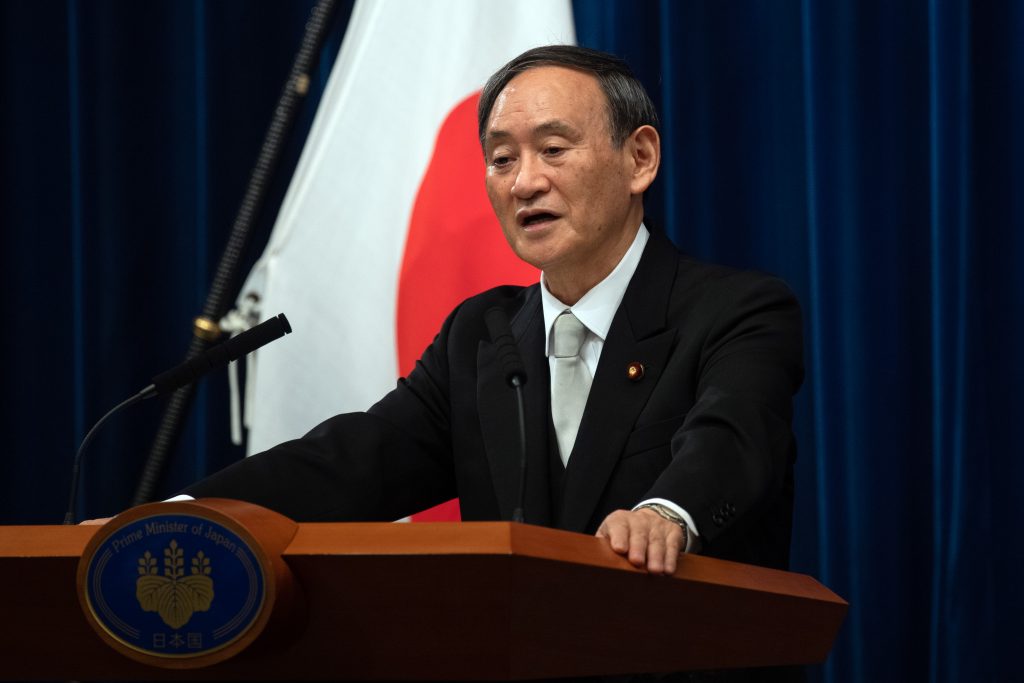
(563, 193)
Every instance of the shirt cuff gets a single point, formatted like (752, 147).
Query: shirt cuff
(693, 536)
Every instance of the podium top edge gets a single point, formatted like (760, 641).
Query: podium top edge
(353, 539)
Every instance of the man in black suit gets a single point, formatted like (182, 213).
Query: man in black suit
(686, 371)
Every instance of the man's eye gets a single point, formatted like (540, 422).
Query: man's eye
(552, 150)
(500, 161)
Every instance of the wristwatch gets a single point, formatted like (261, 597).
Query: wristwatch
(672, 516)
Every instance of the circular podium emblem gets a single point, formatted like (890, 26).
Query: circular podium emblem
(173, 589)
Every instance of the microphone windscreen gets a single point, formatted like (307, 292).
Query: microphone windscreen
(220, 355)
(508, 353)
(253, 338)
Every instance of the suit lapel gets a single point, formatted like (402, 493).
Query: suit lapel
(638, 334)
(499, 420)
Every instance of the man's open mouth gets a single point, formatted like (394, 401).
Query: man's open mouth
(538, 218)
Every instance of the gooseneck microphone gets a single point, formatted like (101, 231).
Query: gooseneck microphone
(213, 358)
(219, 356)
(515, 375)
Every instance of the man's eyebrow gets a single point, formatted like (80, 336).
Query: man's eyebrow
(557, 127)
(553, 127)
(496, 135)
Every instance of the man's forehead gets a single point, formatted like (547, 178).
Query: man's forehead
(554, 95)
(551, 79)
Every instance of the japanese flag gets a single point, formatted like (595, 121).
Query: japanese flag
(386, 225)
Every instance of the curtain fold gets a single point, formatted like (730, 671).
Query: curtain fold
(950, 195)
(871, 153)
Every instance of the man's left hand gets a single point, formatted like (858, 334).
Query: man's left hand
(645, 538)
(95, 522)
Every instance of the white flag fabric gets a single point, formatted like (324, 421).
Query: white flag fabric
(386, 225)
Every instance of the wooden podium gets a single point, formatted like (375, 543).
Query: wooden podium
(447, 601)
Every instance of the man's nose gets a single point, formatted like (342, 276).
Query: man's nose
(531, 179)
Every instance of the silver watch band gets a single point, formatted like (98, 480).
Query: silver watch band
(672, 516)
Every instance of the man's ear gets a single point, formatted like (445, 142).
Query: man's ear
(644, 148)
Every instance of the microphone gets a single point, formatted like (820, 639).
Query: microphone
(508, 352)
(219, 356)
(186, 373)
(515, 375)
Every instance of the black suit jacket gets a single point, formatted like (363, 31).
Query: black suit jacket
(708, 426)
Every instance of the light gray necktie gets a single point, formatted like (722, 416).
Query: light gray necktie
(570, 381)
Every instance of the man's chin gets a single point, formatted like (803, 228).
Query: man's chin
(535, 255)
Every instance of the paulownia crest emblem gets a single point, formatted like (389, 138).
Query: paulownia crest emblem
(174, 596)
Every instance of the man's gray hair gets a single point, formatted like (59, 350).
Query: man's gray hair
(629, 105)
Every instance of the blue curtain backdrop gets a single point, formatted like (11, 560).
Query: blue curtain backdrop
(869, 152)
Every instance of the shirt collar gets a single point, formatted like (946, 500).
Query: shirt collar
(597, 307)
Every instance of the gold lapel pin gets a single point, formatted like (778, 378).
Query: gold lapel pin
(635, 371)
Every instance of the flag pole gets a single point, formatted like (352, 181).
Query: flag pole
(206, 328)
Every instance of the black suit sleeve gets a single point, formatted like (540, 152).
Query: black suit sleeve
(731, 460)
(390, 462)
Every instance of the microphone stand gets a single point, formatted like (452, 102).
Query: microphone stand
(515, 375)
(517, 514)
